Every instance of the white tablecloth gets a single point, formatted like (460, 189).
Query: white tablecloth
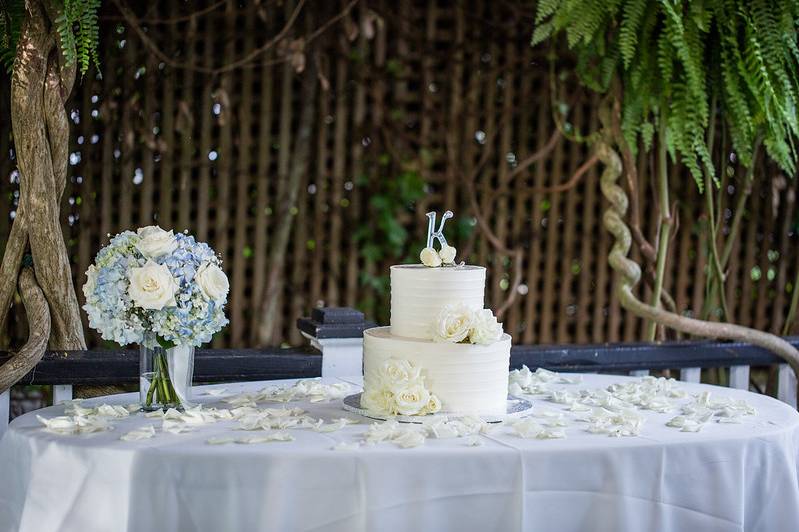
(727, 477)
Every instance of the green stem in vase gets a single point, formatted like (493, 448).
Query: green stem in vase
(170, 396)
(163, 379)
(150, 391)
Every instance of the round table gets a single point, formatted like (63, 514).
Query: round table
(727, 477)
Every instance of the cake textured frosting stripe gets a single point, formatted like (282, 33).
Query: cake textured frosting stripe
(418, 294)
(467, 378)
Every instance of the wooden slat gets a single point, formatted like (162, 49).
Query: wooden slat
(335, 260)
(127, 144)
(5, 410)
(238, 258)
(186, 213)
(262, 193)
(690, 374)
(61, 393)
(151, 100)
(206, 132)
(566, 226)
(786, 385)
(739, 377)
(167, 164)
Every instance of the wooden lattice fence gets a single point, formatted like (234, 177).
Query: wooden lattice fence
(415, 96)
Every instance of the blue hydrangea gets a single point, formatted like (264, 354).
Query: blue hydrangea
(194, 318)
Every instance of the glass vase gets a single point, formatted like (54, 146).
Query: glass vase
(165, 375)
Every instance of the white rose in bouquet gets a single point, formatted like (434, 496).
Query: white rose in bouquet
(430, 257)
(412, 399)
(453, 323)
(91, 281)
(212, 281)
(152, 286)
(485, 328)
(155, 242)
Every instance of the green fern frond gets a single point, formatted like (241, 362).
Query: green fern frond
(633, 14)
(79, 33)
(545, 9)
(671, 58)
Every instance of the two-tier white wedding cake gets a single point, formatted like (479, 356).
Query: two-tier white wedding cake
(443, 352)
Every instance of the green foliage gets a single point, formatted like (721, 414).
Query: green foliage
(76, 24)
(384, 236)
(80, 33)
(11, 16)
(672, 56)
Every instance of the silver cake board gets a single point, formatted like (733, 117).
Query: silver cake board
(516, 407)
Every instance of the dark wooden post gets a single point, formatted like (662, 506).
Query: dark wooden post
(338, 334)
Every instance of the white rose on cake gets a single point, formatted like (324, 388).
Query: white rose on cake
(485, 328)
(453, 323)
(152, 287)
(430, 257)
(399, 373)
(433, 405)
(212, 281)
(155, 242)
(411, 400)
(379, 401)
(447, 254)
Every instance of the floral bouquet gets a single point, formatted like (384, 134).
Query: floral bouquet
(164, 291)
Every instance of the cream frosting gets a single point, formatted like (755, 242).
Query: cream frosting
(467, 378)
(419, 293)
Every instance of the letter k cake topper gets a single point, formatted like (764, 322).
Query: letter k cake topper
(431, 228)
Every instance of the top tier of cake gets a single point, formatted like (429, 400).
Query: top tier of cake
(418, 294)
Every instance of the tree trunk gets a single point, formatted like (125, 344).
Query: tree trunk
(266, 333)
(38, 332)
(40, 86)
(630, 273)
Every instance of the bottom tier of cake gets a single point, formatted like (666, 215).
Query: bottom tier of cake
(466, 378)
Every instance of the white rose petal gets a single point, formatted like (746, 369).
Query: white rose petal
(112, 411)
(485, 328)
(212, 281)
(61, 424)
(447, 254)
(453, 323)
(219, 440)
(430, 257)
(267, 438)
(152, 287)
(155, 242)
(409, 438)
(345, 446)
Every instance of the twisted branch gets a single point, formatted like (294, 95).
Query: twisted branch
(39, 331)
(630, 273)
